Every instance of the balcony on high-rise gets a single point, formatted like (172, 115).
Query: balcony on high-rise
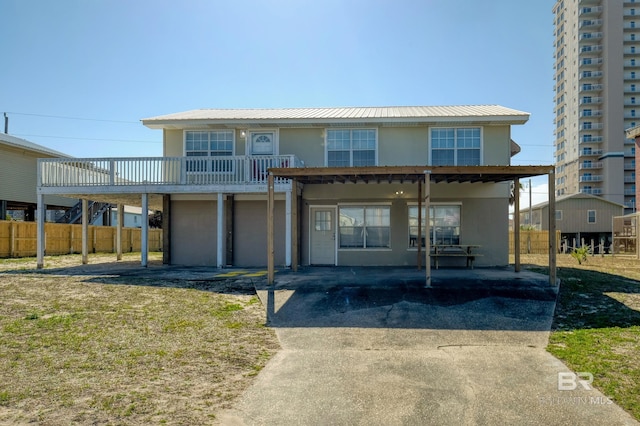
(590, 62)
(590, 100)
(591, 191)
(590, 165)
(588, 87)
(590, 113)
(590, 10)
(590, 23)
(591, 178)
(590, 139)
(587, 125)
(585, 152)
(590, 74)
(591, 48)
(590, 36)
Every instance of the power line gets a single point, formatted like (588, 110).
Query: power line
(87, 139)
(72, 118)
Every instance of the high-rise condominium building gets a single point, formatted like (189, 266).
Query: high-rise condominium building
(597, 97)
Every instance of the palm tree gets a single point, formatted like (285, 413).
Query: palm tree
(512, 194)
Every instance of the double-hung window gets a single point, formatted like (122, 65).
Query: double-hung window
(444, 224)
(455, 146)
(365, 227)
(351, 147)
(217, 143)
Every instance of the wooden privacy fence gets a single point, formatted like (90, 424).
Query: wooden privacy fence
(18, 239)
(533, 242)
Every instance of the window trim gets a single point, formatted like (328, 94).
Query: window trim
(233, 139)
(350, 129)
(558, 214)
(205, 161)
(595, 217)
(456, 128)
(363, 206)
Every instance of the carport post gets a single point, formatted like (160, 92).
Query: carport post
(40, 244)
(419, 237)
(270, 262)
(294, 221)
(144, 243)
(287, 230)
(119, 231)
(553, 250)
(516, 223)
(85, 232)
(427, 241)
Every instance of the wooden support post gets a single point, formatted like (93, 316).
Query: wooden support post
(427, 241)
(294, 224)
(516, 224)
(419, 236)
(144, 238)
(287, 229)
(553, 250)
(119, 226)
(85, 232)
(40, 238)
(270, 225)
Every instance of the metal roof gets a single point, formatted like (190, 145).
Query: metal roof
(407, 114)
(562, 198)
(15, 142)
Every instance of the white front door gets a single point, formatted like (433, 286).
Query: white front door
(323, 236)
(262, 143)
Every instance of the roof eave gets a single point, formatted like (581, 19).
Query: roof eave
(176, 123)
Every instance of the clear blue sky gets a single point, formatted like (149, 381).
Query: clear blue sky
(106, 64)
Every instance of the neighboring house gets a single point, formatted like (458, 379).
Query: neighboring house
(578, 216)
(132, 217)
(352, 195)
(18, 178)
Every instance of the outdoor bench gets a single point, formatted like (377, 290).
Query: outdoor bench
(463, 251)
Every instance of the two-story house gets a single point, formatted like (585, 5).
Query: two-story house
(355, 195)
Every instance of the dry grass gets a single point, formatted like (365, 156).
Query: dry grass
(82, 349)
(596, 325)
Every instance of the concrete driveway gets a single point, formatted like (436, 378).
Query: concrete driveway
(367, 346)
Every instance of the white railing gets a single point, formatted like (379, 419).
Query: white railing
(596, 178)
(228, 170)
(590, 166)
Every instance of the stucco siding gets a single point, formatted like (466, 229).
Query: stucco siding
(497, 145)
(400, 146)
(250, 233)
(307, 144)
(481, 224)
(193, 233)
(406, 191)
(173, 143)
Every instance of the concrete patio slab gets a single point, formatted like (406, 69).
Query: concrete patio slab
(365, 346)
